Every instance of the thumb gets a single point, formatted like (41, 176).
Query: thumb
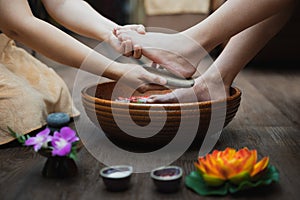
(141, 29)
(152, 78)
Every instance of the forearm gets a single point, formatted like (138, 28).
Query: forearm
(80, 17)
(233, 17)
(247, 44)
(46, 39)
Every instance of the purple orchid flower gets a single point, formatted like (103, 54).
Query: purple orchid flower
(62, 141)
(40, 140)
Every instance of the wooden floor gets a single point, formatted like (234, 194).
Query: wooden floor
(268, 120)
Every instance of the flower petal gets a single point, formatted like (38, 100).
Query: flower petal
(67, 133)
(48, 139)
(37, 146)
(260, 166)
(200, 167)
(44, 132)
(40, 140)
(238, 178)
(62, 151)
(56, 134)
(247, 161)
(212, 167)
(228, 153)
(212, 180)
(31, 141)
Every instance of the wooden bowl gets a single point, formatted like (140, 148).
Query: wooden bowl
(108, 114)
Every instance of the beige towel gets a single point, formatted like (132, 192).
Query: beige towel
(29, 91)
(167, 7)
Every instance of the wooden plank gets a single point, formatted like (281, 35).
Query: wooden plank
(22, 179)
(255, 109)
(280, 87)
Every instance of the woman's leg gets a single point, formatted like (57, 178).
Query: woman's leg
(180, 53)
(238, 52)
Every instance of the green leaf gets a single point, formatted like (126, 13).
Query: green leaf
(195, 182)
(73, 155)
(272, 175)
(74, 146)
(20, 138)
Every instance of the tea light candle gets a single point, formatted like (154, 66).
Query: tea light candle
(167, 179)
(116, 178)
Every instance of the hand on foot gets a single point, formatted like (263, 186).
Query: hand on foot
(175, 52)
(205, 89)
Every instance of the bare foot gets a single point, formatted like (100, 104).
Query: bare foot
(205, 89)
(177, 53)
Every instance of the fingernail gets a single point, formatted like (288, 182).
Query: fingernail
(162, 81)
(141, 30)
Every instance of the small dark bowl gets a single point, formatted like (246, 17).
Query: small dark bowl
(167, 179)
(116, 178)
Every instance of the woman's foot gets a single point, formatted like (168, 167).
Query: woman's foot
(205, 89)
(177, 53)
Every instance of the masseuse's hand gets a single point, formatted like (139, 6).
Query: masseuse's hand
(138, 78)
(126, 47)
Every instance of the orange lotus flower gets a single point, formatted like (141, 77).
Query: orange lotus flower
(230, 165)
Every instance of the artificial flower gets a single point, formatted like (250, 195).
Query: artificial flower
(62, 141)
(230, 171)
(230, 165)
(40, 140)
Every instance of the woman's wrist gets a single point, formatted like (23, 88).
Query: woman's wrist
(114, 71)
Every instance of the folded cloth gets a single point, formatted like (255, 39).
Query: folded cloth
(29, 91)
(167, 7)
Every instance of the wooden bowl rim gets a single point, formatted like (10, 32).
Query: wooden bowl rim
(93, 106)
(237, 94)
